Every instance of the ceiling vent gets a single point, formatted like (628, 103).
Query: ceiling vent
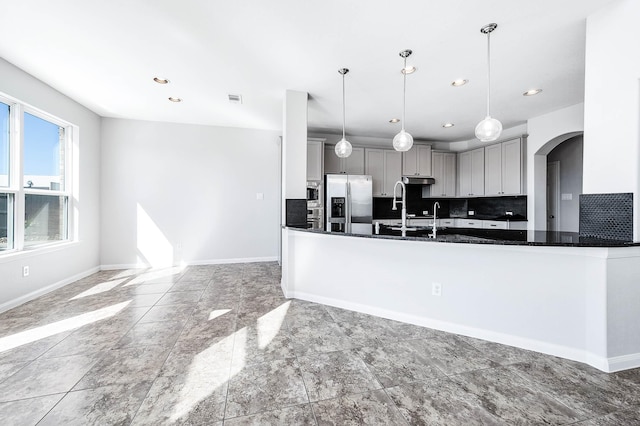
(235, 99)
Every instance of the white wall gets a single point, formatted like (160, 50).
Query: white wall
(176, 193)
(612, 103)
(65, 263)
(569, 155)
(545, 133)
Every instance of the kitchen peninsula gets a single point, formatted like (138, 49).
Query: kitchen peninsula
(577, 300)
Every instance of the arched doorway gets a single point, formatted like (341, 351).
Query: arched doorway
(558, 183)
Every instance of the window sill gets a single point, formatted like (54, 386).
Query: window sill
(12, 255)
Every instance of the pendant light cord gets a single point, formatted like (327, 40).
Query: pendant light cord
(489, 74)
(404, 90)
(343, 108)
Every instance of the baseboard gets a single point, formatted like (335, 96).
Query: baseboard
(40, 292)
(110, 267)
(603, 364)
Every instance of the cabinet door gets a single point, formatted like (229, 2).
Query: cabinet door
(450, 174)
(332, 163)
(424, 160)
(477, 172)
(392, 170)
(354, 164)
(410, 162)
(464, 174)
(374, 166)
(314, 160)
(493, 169)
(437, 167)
(511, 167)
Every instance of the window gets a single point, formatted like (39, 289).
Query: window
(35, 190)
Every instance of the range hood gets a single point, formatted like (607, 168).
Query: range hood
(415, 180)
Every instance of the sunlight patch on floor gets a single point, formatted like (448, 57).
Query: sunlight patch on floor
(156, 274)
(34, 334)
(269, 324)
(218, 313)
(99, 288)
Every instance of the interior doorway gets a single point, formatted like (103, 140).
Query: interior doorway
(553, 196)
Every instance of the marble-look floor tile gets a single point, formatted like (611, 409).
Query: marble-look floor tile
(513, 399)
(27, 411)
(452, 355)
(29, 351)
(336, 374)
(160, 288)
(630, 416)
(264, 387)
(152, 333)
(108, 405)
(45, 377)
(501, 354)
(195, 398)
(9, 369)
(189, 286)
(299, 415)
(318, 338)
(260, 344)
(180, 298)
(188, 356)
(174, 313)
(398, 363)
(370, 408)
(591, 394)
(147, 300)
(128, 365)
(440, 402)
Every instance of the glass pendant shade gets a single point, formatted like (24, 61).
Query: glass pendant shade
(343, 148)
(403, 141)
(488, 130)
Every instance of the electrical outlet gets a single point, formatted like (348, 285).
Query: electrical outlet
(25, 271)
(471, 212)
(179, 246)
(436, 289)
(259, 196)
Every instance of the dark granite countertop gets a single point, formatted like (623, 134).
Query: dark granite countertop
(492, 236)
(515, 218)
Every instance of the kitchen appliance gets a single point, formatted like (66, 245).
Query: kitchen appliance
(315, 208)
(349, 203)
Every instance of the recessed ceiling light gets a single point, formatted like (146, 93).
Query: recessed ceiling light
(459, 82)
(409, 70)
(235, 99)
(532, 92)
(160, 80)
(447, 125)
(394, 120)
(172, 99)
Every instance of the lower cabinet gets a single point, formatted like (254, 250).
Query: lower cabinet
(468, 223)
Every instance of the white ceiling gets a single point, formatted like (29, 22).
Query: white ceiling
(105, 54)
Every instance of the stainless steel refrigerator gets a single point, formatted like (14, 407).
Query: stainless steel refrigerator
(349, 203)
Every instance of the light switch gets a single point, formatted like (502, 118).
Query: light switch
(566, 197)
(259, 196)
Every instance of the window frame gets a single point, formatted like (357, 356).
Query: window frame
(16, 187)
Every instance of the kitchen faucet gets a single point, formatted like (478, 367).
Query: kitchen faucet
(434, 230)
(403, 228)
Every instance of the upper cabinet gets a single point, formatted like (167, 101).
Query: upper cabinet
(352, 165)
(503, 168)
(444, 173)
(385, 168)
(314, 159)
(471, 173)
(417, 161)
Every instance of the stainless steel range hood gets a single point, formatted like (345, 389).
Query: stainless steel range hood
(414, 180)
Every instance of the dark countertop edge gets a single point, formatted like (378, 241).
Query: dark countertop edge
(465, 218)
(602, 244)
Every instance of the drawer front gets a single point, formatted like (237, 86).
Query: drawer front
(519, 225)
(495, 224)
(447, 222)
(468, 223)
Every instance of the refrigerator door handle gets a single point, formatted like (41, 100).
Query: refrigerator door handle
(347, 213)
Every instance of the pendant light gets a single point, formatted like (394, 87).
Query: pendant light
(488, 129)
(403, 141)
(343, 147)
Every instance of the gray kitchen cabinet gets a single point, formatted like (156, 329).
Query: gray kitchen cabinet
(443, 166)
(417, 161)
(471, 173)
(315, 150)
(503, 168)
(352, 165)
(385, 167)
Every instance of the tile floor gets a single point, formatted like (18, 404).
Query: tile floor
(213, 345)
